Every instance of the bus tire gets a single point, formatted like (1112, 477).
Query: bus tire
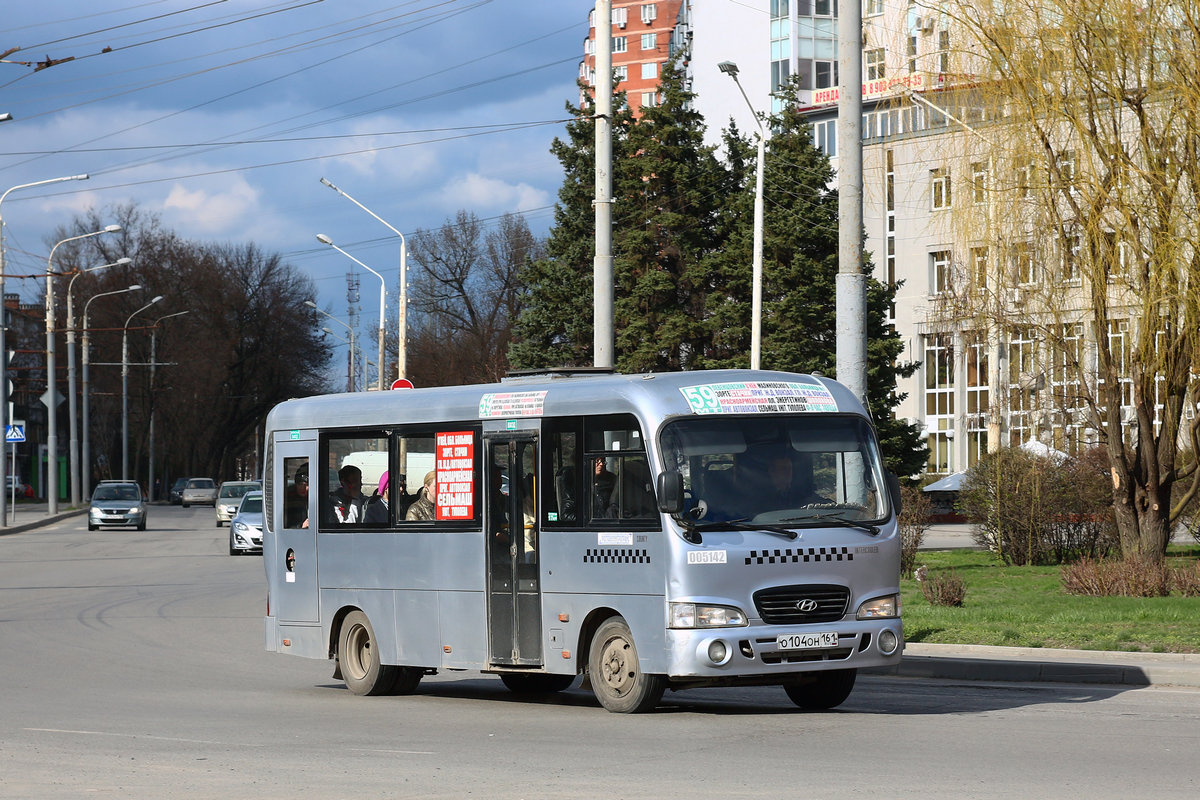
(358, 658)
(536, 684)
(825, 690)
(616, 674)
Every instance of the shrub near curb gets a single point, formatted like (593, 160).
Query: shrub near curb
(1117, 578)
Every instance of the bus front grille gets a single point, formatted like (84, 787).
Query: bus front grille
(802, 604)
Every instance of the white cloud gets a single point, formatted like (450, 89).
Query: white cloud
(485, 195)
(211, 213)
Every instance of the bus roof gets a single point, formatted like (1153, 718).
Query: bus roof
(650, 396)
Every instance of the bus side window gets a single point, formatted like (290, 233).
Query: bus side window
(633, 497)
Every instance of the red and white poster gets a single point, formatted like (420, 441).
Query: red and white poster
(455, 467)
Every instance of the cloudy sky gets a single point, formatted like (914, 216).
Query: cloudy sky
(221, 116)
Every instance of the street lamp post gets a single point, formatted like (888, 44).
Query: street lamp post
(3, 329)
(353, 383)
(153, 360)
(86, 459)
(402, 301)
(52, 376)
(323, 239)
(125, 389)
(731, 69)
(72, 410)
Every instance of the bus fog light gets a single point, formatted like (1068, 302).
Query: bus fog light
(886, 607)
(715, 651)
(888, 641)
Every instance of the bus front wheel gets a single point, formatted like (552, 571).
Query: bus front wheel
(825, 690)
(358, 661)
(616, 675)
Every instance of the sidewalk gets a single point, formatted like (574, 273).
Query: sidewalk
(33, 515)
(941, 661)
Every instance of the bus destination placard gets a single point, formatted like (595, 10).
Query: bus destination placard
(455, 466)
(759, 397)
(511, 404)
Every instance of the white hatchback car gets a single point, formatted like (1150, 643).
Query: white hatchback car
(245, 531)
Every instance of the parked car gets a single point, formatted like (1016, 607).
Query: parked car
(117, 504)
(229, 496)
(15, 486)
(199, 491)
(245, 531)
(176, 493)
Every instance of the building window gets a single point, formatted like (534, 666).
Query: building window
(779, 8)
(876, 70)
(977, 399)
(939, 401)
(1070, 250)
(943, 51)
(649, 99)
(979, 173)
(1024, 265)
(620, 16)
(825, 137)
(979, 268)
(620, 44)
(1025, 382)
(941, 281)
(874, 7)
(649, 41)
(649, 12)
(824, 8)
(780, 71)
(939, 189)
(826, 74)
(621, 73)
(650, 71)
(912, 54)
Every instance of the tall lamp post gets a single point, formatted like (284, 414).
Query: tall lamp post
(402, 311)
(125, 389)
(86, 476)
(323, 239)
(72, 410)
(3, 329)
(353, 384)
(51, 398)
(731, 69)
(153, 361)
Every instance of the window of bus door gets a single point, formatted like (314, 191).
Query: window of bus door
(296, 493)
(777, 469)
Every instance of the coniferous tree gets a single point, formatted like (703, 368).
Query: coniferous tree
(668, 193)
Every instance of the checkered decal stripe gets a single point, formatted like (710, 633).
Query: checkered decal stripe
(803, 554)
(610, 555)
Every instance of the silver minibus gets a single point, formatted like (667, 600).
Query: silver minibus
(653, 532)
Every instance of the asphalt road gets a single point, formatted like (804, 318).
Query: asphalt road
(133, 667)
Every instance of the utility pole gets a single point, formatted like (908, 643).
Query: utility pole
(851, 303)
(602, 268)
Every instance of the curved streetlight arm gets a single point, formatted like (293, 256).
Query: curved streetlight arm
(120, 262)
(402, 323)
(323, 239)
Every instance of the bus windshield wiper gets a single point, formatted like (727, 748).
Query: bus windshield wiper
(836, 520)
(743, 525)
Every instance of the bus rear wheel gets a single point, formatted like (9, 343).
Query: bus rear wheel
(824, 690)
(358, 661)
(616, 674)
(536, 684)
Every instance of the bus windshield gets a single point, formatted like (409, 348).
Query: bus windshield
(793, 471)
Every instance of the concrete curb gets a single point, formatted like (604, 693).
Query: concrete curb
(1038, 665)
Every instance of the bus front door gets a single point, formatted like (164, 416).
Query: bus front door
(514, 586)
(295, 552)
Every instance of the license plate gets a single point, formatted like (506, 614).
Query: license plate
(807, 641)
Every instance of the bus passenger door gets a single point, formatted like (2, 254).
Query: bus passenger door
(514, 584)
(294, 526)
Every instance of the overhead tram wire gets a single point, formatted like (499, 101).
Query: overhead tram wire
(106, 12)
(98, 31)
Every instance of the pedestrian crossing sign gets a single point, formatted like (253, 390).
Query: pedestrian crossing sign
(14, 433)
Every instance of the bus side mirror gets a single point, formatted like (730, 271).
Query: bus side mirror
(670, 492)
(894, 491)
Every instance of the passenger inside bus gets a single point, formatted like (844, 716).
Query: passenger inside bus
(347, 501)
(423, 508)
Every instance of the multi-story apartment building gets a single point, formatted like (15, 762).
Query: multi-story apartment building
(641, 43)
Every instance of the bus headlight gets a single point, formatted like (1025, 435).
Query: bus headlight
(886, 607)
(693, 615)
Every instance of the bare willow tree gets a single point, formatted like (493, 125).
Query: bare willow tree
(1079, 227)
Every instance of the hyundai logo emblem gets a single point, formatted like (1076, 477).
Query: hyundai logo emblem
(806, 605)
